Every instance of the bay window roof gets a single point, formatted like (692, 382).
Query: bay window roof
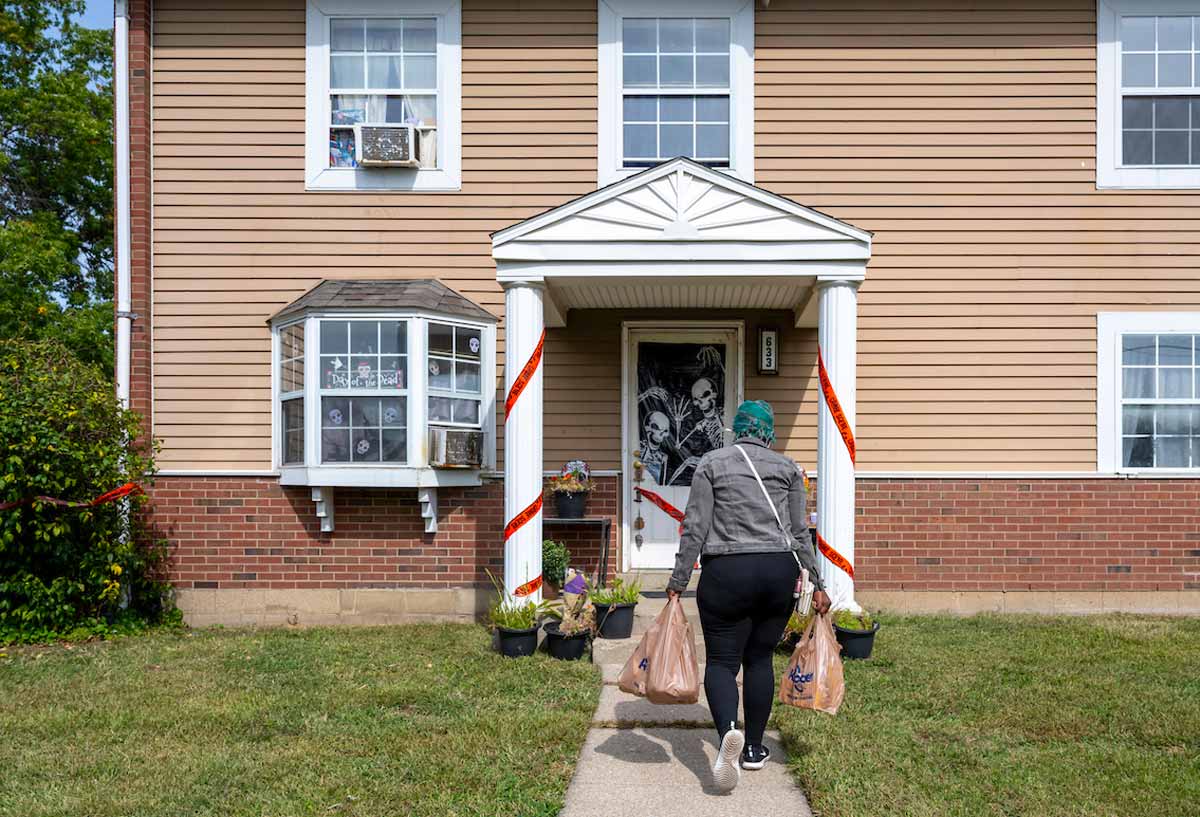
(385, 295)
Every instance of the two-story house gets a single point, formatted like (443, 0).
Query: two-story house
(383, 265)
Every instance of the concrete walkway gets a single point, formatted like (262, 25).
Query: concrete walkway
(645, 760)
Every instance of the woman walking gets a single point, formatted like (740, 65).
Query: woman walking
(751, 555)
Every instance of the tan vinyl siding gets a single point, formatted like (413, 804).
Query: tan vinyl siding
(963, 135)
(237, 237)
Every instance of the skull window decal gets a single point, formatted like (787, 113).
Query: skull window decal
(681, 407)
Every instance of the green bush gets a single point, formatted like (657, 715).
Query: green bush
(555, 559)
(70, 572)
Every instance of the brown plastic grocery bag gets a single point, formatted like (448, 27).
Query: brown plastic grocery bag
(673, 676)
(813, 679)
(663, 668)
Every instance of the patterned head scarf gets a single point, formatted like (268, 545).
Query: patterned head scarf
(756, 419)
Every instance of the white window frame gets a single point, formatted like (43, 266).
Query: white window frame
(1110, 173)
(1110, 327)
(741, 79)
(318, 175)
(416, 472)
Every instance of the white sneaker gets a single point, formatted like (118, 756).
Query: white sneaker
(726, 771)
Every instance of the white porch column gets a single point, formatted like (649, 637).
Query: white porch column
(523, 331)
(838, 336)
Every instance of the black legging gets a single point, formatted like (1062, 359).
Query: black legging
(745, 600)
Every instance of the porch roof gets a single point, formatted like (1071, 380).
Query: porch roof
(680, 235)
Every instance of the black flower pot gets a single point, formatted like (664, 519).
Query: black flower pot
(615, 620)
(570, 506)
(565, 647)
(856, 643)
(517, 643)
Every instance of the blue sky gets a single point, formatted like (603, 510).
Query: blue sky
(99, 14)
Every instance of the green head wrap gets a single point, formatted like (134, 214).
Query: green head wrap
(755, 418)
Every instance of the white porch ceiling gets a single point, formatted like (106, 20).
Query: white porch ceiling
(679, 293)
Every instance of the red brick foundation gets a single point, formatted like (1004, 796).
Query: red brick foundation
(1043, 534)
(912, 535)
(252, 533)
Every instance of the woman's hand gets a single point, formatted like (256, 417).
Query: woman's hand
(672, 595)
(821, 602)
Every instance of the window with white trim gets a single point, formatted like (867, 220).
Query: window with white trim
(676, 79)
(1149, 391)
(1148, 93)
(372, 62)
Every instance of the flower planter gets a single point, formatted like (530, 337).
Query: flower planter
(517, 643)
(615, 620)
(856, 643)
(570, 506)
(565, 647)
(550, 591)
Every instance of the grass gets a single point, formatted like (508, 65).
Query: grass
(418, 720)
(1001, 716)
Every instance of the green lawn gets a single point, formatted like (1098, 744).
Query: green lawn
(991, 716)
(420, 720)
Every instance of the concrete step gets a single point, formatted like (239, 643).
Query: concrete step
(620, 709)
(648, 772)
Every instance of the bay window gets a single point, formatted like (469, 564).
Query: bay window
(363, 375)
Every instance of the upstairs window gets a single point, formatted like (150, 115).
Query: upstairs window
(382, 71)
(1148, 86)
(391, 64)
(676, 79)
(1149, 391)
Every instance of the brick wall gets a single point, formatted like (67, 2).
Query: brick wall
(240, 533)
(1045, 534)
(953, 535)
(139, 205)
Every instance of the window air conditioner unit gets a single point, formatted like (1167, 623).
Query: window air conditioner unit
(386, 146)
(455, 448)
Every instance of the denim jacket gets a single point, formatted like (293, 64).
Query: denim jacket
(727, 513)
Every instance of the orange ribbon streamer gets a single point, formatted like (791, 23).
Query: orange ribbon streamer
(529, 587)
(109, 496)
(835, 408)
(835, 557)
(525, 376)
(520, 519)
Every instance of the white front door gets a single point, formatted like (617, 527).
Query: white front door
(682, 385)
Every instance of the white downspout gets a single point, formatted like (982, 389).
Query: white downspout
(123, 224)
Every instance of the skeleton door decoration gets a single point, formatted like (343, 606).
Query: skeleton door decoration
(683, 385)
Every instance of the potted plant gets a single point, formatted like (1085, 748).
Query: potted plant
(614, 608)
(515, 623)
(794, 630)
(855, 632)
(555, 558)
(571, 488)
(570, 630)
